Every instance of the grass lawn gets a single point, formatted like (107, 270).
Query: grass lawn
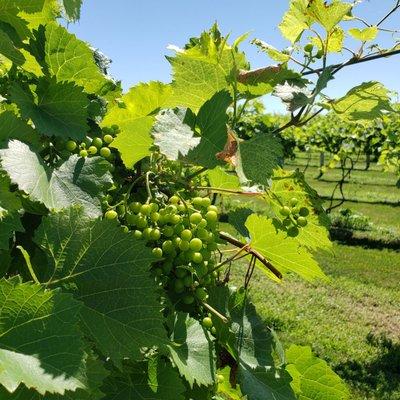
(353, 322)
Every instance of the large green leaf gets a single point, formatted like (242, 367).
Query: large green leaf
(192, 351)
(72, 9)
(10, 224)
(365, 102)
(134, 384)
(76, 181)
(221, 179)
(40, 344)
(295, 21)
(211, 122)
(8, 49)
(70, 59)
(135, 119)
(9, 10)
(281, 250)
(94, 373)
(313, 379)
(328, 15)
(203, 70)
(264, 383)
(366, 34)
(259, 156)
(60, 108)
(110, 272)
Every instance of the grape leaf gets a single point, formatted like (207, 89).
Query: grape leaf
(203, 70)
(72, 9)
(13, 127)
(211, 122)
(313, 379)
(192, 351)
(287, 185)
(272, 52)
(40, 344)
(110, 271)
(76, 181)
(295, 21)
(283, 251)
(328, 15)
(221, 179)
(70, 59)
(335, 41)
(225, 389)
(264, 383)
(9, 11)
(60, 109)
(259, 156)
(39, 12)
(8, 225)
(8, 49)
(135, 120)
(366, 34)
(133, 384)
(365, 102)
(94, 373)
(173, 136)
(237, 218)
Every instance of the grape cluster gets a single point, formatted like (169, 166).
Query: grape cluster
(295, 217)
(183, 236)
(94, 146)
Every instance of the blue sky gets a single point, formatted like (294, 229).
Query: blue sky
(135, 34)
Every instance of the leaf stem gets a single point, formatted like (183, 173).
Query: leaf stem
(215, 312)
(28, 264)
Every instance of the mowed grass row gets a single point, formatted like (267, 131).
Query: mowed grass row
(353, 321)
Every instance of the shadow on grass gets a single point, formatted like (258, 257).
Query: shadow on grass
(381, 376)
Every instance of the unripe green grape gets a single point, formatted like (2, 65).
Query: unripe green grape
(83, 153)
(147, 233)
(197, 201)
(197, 257)
(184, 245)
(121, 210)
(177, 241)
(188, 280)
(131, 219)
(141, 222)
(293, 231)
(168, 231)
(171, 209)
(207, 323)
(213, 208)
(181, 272)
(145, 209)
(294, 201)
(175, 219)
(135, 206)
(155, 216)
(202, 223)
(285, 211)
(181, 207)
(319, 54)
(287, 222)
(155, 234)
(115, 128)
(220, 378)
(174, 200)
(205, 202)
(111, 214)
(162, 220)
(97, 142)
(202, 234)
(125, 229)
(108, 139)
(154, 207)
(137, 234)
(304, 211)
(195, 218)
(157, 252)
(179, 286)
(188, 299)
(196, 244)
(213, 330)
(295, 210)
(201, 294)
(211, 216)
(105, 152)
(302, 221)
(71, 145)
(178, 228)
(308, 48)
(186, 234)
(168, 247)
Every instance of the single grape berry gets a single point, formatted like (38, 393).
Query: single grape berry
(302, 221)
(70, 145)
(157, 252)
(105, 152)
(196, 244)
(137, 234)
(294, 201)
(320, 54)
(145, 209)
(135, 206)
(108, 139)
(197, 201)
(201, 293)
(304, 211)
(220, 378)
(211, 216)
(155, 234)
(205, 202)
(111, 214)
(213, 208)
(188, 299)
(97, 142)
(186, 234)
(293, 231)
(141, 222)
(285, 211)
(92, 150)
(308, 48)
(207, 323)
(83, 153)
(174, 200)
(155, 216)
(184, 245)
(197, 257)
(195, 218)
(168, 231)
